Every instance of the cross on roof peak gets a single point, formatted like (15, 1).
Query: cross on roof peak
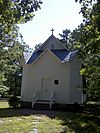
(52, 30)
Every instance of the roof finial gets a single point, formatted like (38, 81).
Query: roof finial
(52, 30)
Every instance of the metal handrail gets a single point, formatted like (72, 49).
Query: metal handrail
(52, 98)
(35, 98)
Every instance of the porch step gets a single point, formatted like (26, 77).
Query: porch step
(42, 104)
(43, 101)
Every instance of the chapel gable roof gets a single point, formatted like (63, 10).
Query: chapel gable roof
(52, 40)
(60, 52)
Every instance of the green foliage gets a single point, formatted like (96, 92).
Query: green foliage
(88, 41)
(37, 46)
(12, 13)
(10, 65)
(65, 39)
(86, 38)
(3, 90)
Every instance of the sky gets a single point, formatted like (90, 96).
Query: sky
(56, 14)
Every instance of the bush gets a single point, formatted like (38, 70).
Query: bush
(14, 102)
(3, 90)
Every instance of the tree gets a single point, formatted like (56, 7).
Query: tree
(89, 42)
(86, 38)
(65, 38)
(37, 46)
(13, 12)
(3, 90)
(83, 40)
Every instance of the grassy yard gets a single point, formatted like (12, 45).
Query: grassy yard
(3, 105)
(29, 120)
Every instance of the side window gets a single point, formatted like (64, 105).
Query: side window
(56, 82)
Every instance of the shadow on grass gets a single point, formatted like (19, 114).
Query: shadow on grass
(10, 112)
(73, 122)
(81, 122)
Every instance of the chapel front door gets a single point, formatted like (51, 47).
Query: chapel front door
(46, 89)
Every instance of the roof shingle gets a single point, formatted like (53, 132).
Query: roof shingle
(62, 54)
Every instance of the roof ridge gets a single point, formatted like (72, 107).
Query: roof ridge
(47, 41)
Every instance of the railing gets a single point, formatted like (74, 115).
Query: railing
(35, 98)
(52, 98)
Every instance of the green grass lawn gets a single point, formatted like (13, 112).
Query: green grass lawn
(28, 120)
(3, 105)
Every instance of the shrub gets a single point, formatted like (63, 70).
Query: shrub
(3, 90)
(14, 102)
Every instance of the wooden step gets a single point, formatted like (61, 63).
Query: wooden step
(42, 104)
(43, 101)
